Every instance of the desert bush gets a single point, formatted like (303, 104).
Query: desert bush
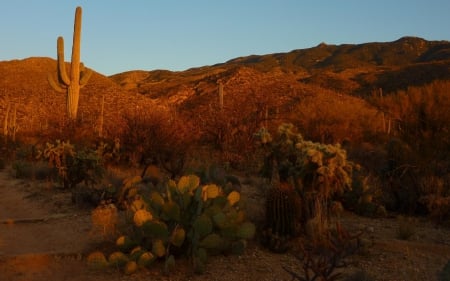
(157, 138)
(187, 219)
(320, 259)
(230, 126)
(329, 117)
(365, 196)
(73, 165)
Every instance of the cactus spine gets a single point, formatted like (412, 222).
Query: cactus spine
(79, 76)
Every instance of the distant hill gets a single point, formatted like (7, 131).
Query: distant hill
(345, 69)
(350, 69)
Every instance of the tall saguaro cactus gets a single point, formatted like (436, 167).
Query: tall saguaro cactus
(71, 83)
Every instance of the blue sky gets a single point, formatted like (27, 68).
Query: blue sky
(121, 35)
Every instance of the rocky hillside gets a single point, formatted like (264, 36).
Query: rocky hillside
(23, 83)
(284, 78)
(348, 69)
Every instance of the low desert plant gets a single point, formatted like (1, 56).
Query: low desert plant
(74, 165)
(320, 258)
(104, 220)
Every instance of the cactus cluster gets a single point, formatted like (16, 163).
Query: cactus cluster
(316, 173)
(188, 218)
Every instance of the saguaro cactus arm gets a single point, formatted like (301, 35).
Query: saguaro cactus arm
(55, 85)
(85, 75)
(62, 74)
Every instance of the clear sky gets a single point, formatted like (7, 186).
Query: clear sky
(122, 35)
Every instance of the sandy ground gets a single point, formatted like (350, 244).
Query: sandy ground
(44, 237)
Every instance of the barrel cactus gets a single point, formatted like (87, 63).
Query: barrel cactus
(282, 217)
(117, 259)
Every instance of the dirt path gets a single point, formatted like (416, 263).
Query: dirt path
(43, 237)
(30, 227)
(39, 238)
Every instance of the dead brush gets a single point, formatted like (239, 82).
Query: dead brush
(320, 259)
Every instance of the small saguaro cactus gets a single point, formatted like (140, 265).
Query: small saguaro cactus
(72, 82)
(220, 95)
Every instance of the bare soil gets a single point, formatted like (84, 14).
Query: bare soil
(44, 237)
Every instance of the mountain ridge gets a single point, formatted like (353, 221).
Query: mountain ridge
(317, 63)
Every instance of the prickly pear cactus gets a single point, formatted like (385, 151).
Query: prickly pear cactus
(97, 260)
(187, 219)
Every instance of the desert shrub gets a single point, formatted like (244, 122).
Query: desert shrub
(365, 196)
(419, 141)
(157, 138)
(230, 127)
(73, 165)
(187, 219)
(329, 117)
(320, 259)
